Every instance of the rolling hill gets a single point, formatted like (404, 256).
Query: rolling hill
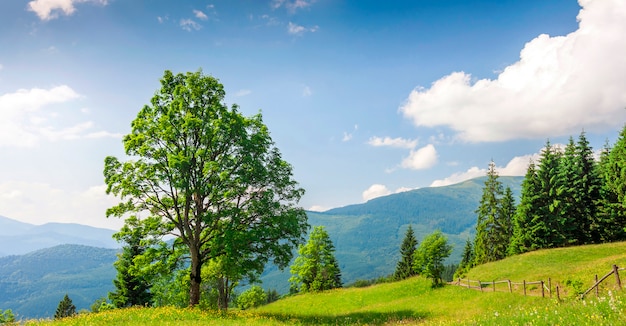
(18, 238)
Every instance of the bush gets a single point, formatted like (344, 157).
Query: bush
(6, 316)
(253, 297)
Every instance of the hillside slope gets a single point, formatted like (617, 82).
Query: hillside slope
(367, 236)
(32, 285)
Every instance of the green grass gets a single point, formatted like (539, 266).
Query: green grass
(413, 301)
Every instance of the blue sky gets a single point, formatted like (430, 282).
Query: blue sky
(363, 98)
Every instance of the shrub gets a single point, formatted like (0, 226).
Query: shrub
(253, 297)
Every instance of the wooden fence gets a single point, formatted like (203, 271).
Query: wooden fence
(525, 287)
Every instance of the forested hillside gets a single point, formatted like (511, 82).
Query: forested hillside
(367, 236)
(32, 285)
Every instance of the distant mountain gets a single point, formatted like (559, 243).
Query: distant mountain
(367, 236)
(32, 285)
(18, 238)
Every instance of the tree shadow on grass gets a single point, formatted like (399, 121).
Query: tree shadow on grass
(355, 318)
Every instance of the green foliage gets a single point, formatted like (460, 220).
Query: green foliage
(494, 226)
(101, 304)
(65, 308)
(467, 260)
(272, 295)
(132, 286)
(316, 269)
(251, 298)
(612, 206)
(404, 268)
(209, 176)
(6, 316)
(429, 257)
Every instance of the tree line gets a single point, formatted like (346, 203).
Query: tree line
(568, 197)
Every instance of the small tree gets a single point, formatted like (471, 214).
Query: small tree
(429, 257)
(316, 268)
(467, 260)
(252, 297)
(6, 316)
(65, 308)
(404, 268)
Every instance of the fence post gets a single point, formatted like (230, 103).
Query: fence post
(617, 280)
(494, 285)
(468, 283)
(550, 286)
(558, 295)
(597, 290)
(543, 293)
(510, 288)
(480, 285)
(524, 287)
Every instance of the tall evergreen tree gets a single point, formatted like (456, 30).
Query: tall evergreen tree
(564, 204)
(546, 228)
(588, 186)
(132, 286)
(612, 208)
(316, 268)
(524, 231)
(467, 259)
(489, 232)
(65, 308)
(506, 216)
(404, 268)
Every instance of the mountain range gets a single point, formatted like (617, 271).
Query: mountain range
(78, 260)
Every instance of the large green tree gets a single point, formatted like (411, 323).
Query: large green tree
(404, 268)
(209, 176)
(316, 268)
(612, 205)
(132, 286)
(527, 215)
(494, 224)
(430, 255)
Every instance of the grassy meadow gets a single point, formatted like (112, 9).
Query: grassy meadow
(414, 302)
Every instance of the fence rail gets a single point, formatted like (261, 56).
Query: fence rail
(543, 285)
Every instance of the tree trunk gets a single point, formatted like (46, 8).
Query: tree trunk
(195, 278)
(222, 298)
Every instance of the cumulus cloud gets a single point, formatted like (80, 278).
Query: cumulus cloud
(422, 158)
(317, 208)
(295, 29)
(200, 15)
(243, 92)
(517, 166)
(375, 190)
(559, 86)
(398, 142)
(39, 203)
(24, 122)
(50, 9)
(189, 25)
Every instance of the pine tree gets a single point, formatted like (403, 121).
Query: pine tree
(65, 308)
(545, 225)
(524, 231)
(404, 268)
(567, 194)
(506, 216)
(132, 287)
(316, 268)
(588, 186)
(488, 244)
(467, 259)
(612, 208)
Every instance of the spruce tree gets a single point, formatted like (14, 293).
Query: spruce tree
(132, 287)
(506, 216)
(65, 308)
(612, 208)
(404, 268)
(467, 259)
(524, 231)
(487, 246)
(565, 207)
(588, 186)
(545, 225)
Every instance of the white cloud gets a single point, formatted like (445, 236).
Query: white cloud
(189, 25)
(347, 136)
(24, 122)
(200, 15)
(559, 86)
(104, 134)
(50, 9)
(375, 190)
(295, 29)
(392, 142)
(317, 208)
(293, 5)
(423, 158)
(39, 203)
(517, 166)
(307, 91)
